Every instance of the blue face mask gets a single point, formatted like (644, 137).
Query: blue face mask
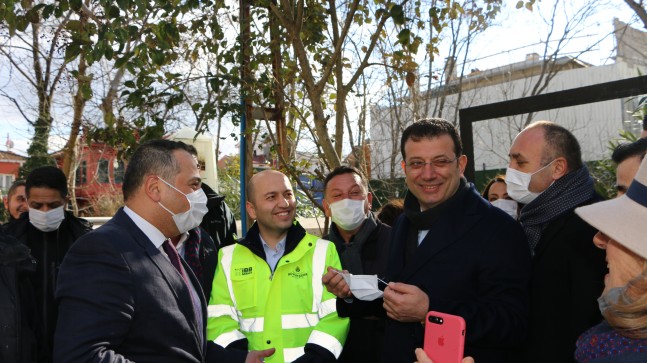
(611, 297)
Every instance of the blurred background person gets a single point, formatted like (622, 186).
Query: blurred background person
(15, 202)
(627, 157)
(18, 333)
(622, 336)
(496, 192)
(49, 231)
(219, 222)
(390, 211)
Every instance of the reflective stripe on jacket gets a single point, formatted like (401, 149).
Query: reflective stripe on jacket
(284, 310)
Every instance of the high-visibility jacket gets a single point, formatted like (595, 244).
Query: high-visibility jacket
(289, 309)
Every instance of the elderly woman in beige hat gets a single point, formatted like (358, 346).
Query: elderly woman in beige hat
(622, 225)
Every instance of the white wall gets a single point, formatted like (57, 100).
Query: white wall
(593, 124)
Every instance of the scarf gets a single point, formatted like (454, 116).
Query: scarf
(563, 195)
(351, 254)
(425, 219)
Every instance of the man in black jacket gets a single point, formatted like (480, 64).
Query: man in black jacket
(451, 252)
(49, 231)
(19, 335)
(219, 221)
(199, 246)
(546, 173)
(362, 243)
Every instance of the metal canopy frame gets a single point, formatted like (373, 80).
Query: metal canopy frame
(571, 97)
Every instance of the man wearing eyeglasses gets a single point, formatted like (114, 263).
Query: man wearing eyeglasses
(454, 253)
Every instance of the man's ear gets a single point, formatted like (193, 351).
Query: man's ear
(326, 208)
(369, 199)
(251, 210)
(462, 163)
(560, 168)
(152, 188)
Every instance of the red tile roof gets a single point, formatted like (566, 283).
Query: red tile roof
(9, 156)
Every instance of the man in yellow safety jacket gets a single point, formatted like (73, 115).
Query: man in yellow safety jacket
(267, 291)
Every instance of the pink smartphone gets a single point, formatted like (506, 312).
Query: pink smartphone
(444, 337)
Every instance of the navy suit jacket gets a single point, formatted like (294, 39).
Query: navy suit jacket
(473, 262)
(120, 299)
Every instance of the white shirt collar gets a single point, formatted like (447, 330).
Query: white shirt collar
(153, 234)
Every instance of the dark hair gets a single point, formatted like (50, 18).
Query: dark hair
(390, 212)
(561, 143)
(645, 123)
(192, 150)
(629, 149)
(340, 170)
(14, 186)
(153, 157)
(47, 177)
(429, 128)
(496, 179)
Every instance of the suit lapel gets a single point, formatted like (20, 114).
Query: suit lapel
(201, 328)
(169, 273)
(446, 230)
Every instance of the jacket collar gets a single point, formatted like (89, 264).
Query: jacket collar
(457, 219)
(253, 241)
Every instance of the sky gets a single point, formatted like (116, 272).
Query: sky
(515, 34)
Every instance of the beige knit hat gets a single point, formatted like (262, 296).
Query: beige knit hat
(625, 218)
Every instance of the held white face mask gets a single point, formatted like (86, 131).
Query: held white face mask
(192, 218)
(507, 205)
(348, 214)
(47, 221)
(517, 183)
(363, 287)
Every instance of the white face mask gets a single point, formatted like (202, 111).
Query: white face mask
(363, 287)
(507, 205)
(47, 221)
(517, 183)
(348, 214)
(192, 218)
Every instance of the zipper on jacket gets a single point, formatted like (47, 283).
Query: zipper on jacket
(277, 266)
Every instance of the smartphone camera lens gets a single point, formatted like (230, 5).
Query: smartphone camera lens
(435, 320)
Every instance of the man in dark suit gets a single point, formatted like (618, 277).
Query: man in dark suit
(547, 175)
(124, 293)
(451, 252)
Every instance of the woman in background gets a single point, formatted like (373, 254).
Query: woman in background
(622, 225)
(496, 192)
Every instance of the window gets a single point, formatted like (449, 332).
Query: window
(5, 181)
(102, 171)
(119, 171)
(81, 170)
